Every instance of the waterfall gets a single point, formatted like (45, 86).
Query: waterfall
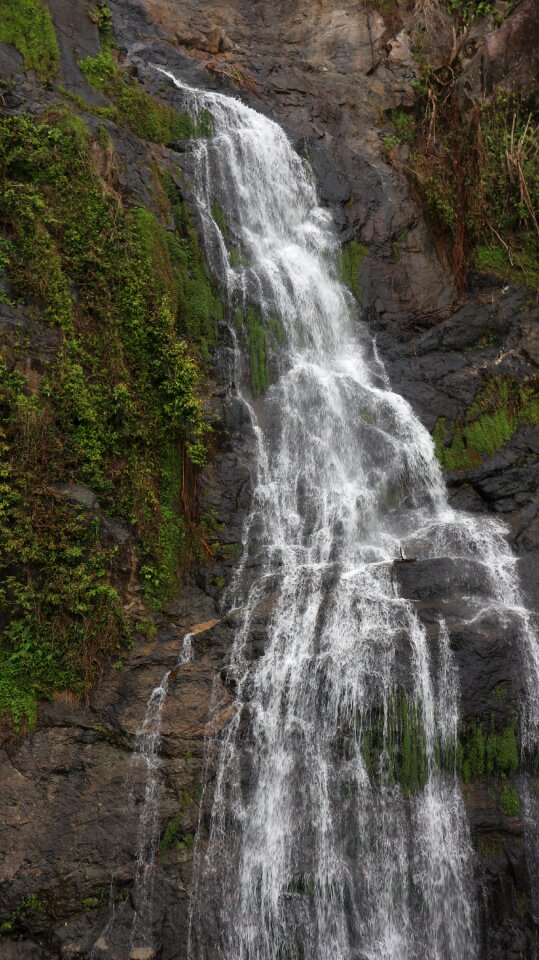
(338, 830)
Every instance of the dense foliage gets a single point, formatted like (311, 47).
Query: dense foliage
(478, 180)
(119, 409)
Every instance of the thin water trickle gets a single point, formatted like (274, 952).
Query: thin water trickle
(338, 830)
(146, 766)
(146, 757)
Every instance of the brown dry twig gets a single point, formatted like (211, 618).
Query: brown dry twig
(244, 80)
(428, 16)
(516, 155)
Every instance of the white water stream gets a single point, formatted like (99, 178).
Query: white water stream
(319, 848)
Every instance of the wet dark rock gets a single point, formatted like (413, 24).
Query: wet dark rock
(10, 61)
(506, 56)
(442, 578)
(74, 493)
(78, 37)
(28, 346)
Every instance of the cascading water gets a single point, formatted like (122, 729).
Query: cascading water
(338, 830)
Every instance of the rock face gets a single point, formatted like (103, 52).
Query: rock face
(327, 71)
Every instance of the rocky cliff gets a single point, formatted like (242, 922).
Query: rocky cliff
(465, 353)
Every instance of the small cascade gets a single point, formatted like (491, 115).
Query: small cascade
(146, 764)
(338, 830)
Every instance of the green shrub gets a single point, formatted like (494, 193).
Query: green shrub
(467, 11)
(479, 178)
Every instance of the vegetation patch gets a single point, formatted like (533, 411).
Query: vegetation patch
(394, 748)
(509, 801)
(135, 108)
(349, 263)
(251, 324)
(120, 410)
(403, 124)
(479, 179)
(497, 412)
(469, 11)
(175, 834)
(393, 744)
(30, 904)
(491, 753)
(27, 25)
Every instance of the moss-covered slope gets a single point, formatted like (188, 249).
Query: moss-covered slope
(123, 294)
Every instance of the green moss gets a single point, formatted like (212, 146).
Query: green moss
(256, 342)
(513, 265)
(413, 762)
(218, 215)
(404, 127)
(27, 25)
(393, 744)
(203, 124)
(490, 422)
(92, 903)
(468, 11)
(509, 801)
(366, 416)
(404, 124)
(120, 409)
(199, 307)
(494, 753)
(394, 749)
(32, 903)
(60, 613)
(472, 757)
(104, 113)
(162, 570)
(250, 321)
(147, 117)
(235, 256)
(276, 330)
(350, 259)
(502, 753)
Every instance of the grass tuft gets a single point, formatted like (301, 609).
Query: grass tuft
(27, 25)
